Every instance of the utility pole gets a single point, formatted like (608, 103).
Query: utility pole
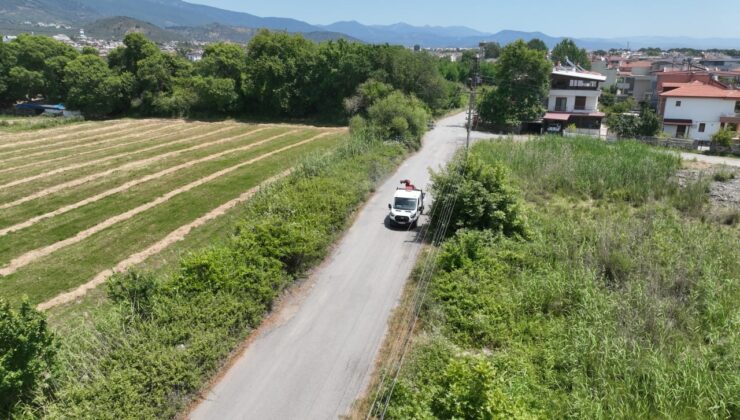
(473, 94)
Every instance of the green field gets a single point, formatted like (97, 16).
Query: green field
(620, 303)
(77, 200)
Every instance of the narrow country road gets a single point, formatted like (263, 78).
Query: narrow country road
(316, 358)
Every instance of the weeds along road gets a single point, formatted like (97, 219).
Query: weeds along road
(315, 355)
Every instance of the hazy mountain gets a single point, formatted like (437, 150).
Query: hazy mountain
(117, 27)
(180, 14)
(162, 13)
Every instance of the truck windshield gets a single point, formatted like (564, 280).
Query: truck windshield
(405, 203)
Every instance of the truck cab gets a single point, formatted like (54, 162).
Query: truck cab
(407, 206)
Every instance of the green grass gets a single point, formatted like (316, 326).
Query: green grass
(28, 188)
(49, 141)
(723, 175)
(68, 196)
(622, 304)
(19, 124)
(91, 151)
(586, 169)
(74, 265)
(66, 225)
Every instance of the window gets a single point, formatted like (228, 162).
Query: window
(404, 204)
(737, 107)
(678, 103)
(580, 102)
(702, 127)
(561, 104)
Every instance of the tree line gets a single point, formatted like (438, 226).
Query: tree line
(276, 75)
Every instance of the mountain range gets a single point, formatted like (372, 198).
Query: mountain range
(189, 19)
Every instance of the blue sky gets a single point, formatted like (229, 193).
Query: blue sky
(576, 18)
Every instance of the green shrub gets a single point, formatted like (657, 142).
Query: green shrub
(723, 137)
(134, 290)
(479, 197)
(27, 355)
(399, 117)
(723, 175)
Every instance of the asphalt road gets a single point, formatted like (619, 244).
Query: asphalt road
(315, 358)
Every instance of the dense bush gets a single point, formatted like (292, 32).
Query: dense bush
(27, 355)
(723, 137)
(646, 124)
(610, 310)
(479, 197)
(400, 118)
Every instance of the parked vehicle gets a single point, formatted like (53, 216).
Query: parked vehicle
(407, 206)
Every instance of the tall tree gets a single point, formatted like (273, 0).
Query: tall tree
(522, 76)
(222, 60)
(491, 50)
(95, 89)
(279, 77)
(537, 44)
(136, 47)
(567, 49)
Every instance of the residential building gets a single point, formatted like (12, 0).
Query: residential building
(698, 110)
(669, 80)
(635, 80)
(721, 63)
(574, 99)
(601, 65)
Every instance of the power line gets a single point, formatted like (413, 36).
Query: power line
(429, 264)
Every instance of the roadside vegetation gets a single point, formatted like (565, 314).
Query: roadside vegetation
(621, 302)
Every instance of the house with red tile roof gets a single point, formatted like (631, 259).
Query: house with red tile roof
(698, 110)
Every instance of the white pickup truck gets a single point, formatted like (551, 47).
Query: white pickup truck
(407, 206)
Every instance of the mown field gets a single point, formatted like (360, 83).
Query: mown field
(621, 301)
(204, 224)
(78, 200)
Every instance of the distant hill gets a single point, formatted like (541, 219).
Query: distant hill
(218, 32)
(117, 27)
(237, 25)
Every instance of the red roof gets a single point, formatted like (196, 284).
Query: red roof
(701, 90)
(637, 64)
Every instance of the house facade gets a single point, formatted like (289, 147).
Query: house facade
(574, 100)
(697, 111)
(636, 80)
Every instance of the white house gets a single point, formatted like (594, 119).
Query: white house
(574, 99)
(697, 110)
